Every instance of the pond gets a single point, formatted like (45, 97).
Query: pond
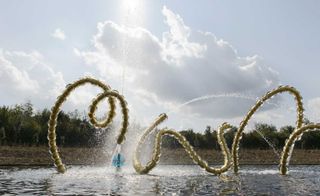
(163, 180)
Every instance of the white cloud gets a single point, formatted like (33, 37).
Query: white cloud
(181, 65)
(58, 34)
(25, 76)
(313, 109)
(12, 78)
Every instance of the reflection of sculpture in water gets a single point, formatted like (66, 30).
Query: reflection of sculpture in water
(230, 158)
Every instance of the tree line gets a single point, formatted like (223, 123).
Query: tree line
(21, 125)
(261, 137)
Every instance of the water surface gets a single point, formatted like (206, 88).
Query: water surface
(164, 180)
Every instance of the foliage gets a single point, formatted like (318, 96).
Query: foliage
(21, 125)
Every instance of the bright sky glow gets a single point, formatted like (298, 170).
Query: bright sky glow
(162, 54)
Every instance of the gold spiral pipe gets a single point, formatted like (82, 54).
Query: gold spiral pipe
(124, 111)
(185, 144)
(259, 103)
(287, 149)
(53, 149)
(228, 161)
(136, 157)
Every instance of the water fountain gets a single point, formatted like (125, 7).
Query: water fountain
(164, 179)
(107, 93)
(285, 155)
(230, 158)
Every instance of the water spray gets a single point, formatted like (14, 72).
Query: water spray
(117, 158)
(107, 93)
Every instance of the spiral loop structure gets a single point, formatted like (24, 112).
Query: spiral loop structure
(53, 149)
(228, 161)
(259, 103)
(230, 158)
(287, 149)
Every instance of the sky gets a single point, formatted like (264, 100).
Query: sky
(161, 54)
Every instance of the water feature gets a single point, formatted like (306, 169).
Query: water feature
(170, 179)
(107, 93)
(286, 152)
(230, 95)
(118, 160)
(181, 180)
(164, 180)
(131, 14)
(101, 180)
(214, 96)
(276, 152)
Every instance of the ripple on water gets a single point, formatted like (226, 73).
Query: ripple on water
(164, 180)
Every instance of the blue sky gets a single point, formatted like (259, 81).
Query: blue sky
(175, 46)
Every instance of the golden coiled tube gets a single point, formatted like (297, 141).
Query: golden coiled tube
(124, 111)
(185, 144)
(287, 149)
(53, 149)
(259, 103)
(136, 157)
(229, 158)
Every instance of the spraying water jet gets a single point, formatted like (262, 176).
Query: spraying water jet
(107, 93)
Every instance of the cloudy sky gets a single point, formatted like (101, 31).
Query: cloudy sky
(161, 54)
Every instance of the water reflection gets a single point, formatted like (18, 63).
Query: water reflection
(164, 180)
(118, 183)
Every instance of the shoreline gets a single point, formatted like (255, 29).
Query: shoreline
(39, 156)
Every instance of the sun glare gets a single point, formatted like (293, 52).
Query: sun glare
(132, 12)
